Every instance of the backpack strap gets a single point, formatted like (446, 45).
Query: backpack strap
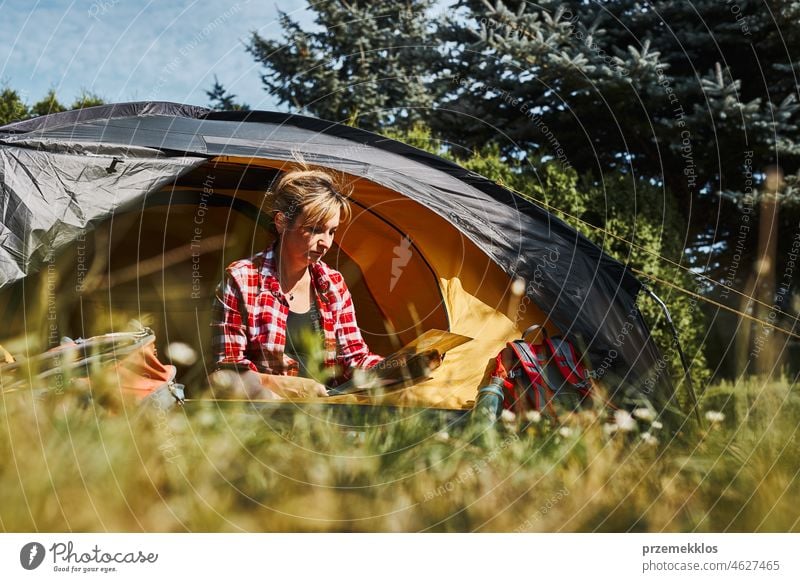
(536, 386)
(533, 328)
(566, 359)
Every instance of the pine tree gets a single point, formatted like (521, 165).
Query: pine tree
(370, 63)
(221, 100)
(698, 98)
(624, 84)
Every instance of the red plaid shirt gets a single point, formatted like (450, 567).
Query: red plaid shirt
(249, 320)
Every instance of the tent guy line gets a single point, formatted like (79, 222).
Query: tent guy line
(716, 303)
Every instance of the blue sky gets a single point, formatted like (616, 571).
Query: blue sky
(126, 50)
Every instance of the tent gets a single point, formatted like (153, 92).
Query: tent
(136, 208)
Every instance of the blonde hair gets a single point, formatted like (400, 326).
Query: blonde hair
(314, 192)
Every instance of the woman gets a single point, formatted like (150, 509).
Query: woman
(269, 306)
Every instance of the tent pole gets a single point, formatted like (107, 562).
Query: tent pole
(685, 364)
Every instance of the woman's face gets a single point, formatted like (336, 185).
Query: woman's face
(306, 244)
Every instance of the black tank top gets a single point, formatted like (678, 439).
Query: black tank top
(304, 337)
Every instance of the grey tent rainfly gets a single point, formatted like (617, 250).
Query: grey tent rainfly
(145, 203)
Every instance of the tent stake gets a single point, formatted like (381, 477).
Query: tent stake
(686, 374)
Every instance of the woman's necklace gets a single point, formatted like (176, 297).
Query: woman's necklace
(289, 293)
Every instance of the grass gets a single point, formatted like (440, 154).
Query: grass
(70, 464)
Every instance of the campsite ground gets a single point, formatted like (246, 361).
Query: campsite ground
(71, 466)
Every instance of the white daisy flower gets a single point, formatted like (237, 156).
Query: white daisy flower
(508, 416)
(565, 431)
(656, 425)
(714, 416)
(649, 439)
(643, 414)
(181, 354)
(442, 436)
(533, 416)
(625, 421)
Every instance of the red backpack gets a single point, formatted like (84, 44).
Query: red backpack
(548, 377)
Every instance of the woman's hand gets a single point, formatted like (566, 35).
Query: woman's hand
(250, 385)
(231, 385)
(434, 360)
(292, 387)
(424, 363)
(319, 391)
